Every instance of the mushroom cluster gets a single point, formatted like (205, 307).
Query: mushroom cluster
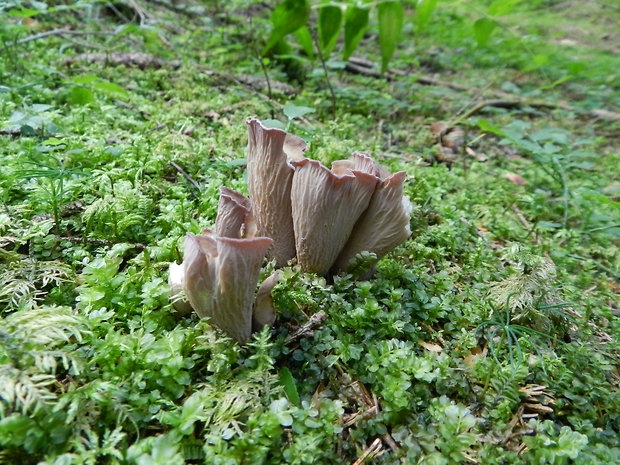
(298, 208)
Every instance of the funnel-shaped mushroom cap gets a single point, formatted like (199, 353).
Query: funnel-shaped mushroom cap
(383, 226)
(361, 162)
(234, 215)
(264, 311)
(176, 281)
(269, 184)
(325, 208)
(294, 147)
(220, 278)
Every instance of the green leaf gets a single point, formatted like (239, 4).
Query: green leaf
(355, 24)
(390, 15)
(273, 123)
(293, 111)
(502, 7)
(305, 40)
(548, 225)
(287, 17)
(483, 29)
(109, 87)
(80, 96)
(423, 12)
(330, 22)
(24, 13)
(290, 388)
(488, 127)
(86, 79)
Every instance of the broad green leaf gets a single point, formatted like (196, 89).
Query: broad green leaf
(483, 29)
(355, 24)
(488, 127)
(80, 96)
(305, 40)
(273, 123)
(330, 22)
(390, 15)
(24, 13)
(287, 17)
(502, 7)
(290, 388)
(536, 62)
(548, 225)
(86, 79)
(293, 111)
(109, 87)
(423, 11)
(603, 199)
(53, 141)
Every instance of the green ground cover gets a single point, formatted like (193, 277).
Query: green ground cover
(490, 336)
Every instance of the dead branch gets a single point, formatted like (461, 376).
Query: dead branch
(133, 59)
(371, 451)
(275, 85)
(306, 330)
(500, 100)
(186, 176)
(96, 241)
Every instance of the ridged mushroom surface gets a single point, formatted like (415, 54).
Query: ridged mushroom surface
(325, 208)
(269, 183)
(220, 279)
(383, 226)
(234, 215)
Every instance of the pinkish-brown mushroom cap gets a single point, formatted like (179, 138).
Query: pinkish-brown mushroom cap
(361, 162)
(325, 208)
(383, 226)
(234, 215)
(269, 183)
(220, 279)
(294, 147)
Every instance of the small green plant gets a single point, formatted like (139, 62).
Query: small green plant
(52, 178)
(292, 16)
(553, 151)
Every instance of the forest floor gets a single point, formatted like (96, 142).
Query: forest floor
(490, 336)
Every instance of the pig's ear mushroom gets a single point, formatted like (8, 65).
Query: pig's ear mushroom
(383, 226)
(294, 147)
(220, 278)
(325, 208)
(269, 183)
(234, 215)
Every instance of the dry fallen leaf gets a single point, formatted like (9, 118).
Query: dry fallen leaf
(430, 346)
(515, 179)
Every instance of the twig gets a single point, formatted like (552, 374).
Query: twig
(229, 77)
(186, 176)
(62, 32)
(329, 84)
(525, 223)
(306, 329)
(374, 447)
(501, 99)
(139, 60)
(387, 437)
(96, 241)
